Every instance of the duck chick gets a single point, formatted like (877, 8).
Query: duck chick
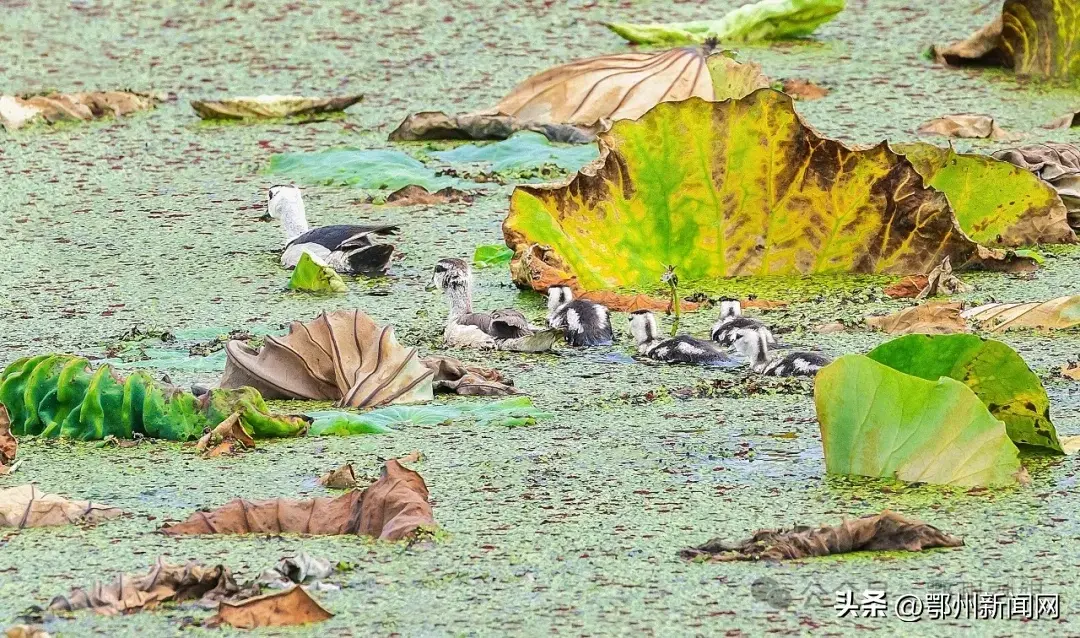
(754, 346)
(732, 323)
(586, 323)
(347, 248)
(677, 349)
(505, 329)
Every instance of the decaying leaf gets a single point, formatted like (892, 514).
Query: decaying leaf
(290, 607)
(1056, 314)
(722, 189)
(342, 478)
(9, 446)
(164, 583)
(995, 202)
(342, 356)
(17, 112)
(413, 195)
(1032, 37)
(757, 21)
(1069, 120)
(27, 506)
(227, 438)
(392, 508)
(26, 631)
(887, 531)
(942, 281)
(454, 376)
(586, 94)
(804, 90)
(907, 288)
(1071, 370)
(964, 125)
(271, 106)
(312, 274)
(928, 318)
(299, 569)
(1053, 162)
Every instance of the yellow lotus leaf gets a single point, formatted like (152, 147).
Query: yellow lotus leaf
(1056, 314)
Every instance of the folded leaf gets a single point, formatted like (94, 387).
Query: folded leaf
(997, 375)
(271, 106)
(313, 275)
(927, 318)
(27, 506)
(964, 125)
(17, 112)
(763, 20)
(995, 202)
(1056, 163)
(1057, 314)
(342, 478)
(454, 376)
(877, 421)
(722, 189)
(290, 607)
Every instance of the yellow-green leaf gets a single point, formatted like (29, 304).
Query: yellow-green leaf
(741, 187)
(1042, 37)
(311, 275)
(1057, 314)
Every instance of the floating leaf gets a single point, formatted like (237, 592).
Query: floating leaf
(9, 446)
(511, 412)
(26, 506)
(17, 112)
(342, 356)
(418, 196)
(994, 201)
(997, 375)
(370, 169)
(285, 608)
(492, 255)
(271, 106)
(927, 318)
(313, 275)
(299, 569)
(877, 421)
(342, 478)
(886, 531)
(1056, 163)
(436, 125)
(964, 126)
(1057, 314)
(763, 20)
(454, 376)
(226, 438)
(803, 90)
(523, 154)
(722, 189)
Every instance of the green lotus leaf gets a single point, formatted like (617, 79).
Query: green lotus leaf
(512, 412)
(492, 255)
(878, 421)
(740, 187)
(367, 169)
(764, 20)
(995, 202)
(521, 155)
(994, 372)
(312, 275)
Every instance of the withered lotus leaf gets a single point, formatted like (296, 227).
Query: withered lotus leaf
(391, 508)
(886, 531)
(342, 356)
(1056, 163)
(9, 445)
(293, 606)
(17, 112)
(27, 506)
(741, 187)
(1057, 314)
(935, 318)
(271, 106)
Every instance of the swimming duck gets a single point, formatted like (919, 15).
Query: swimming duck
(505, 329)
(754, 346)
(586, 323)
(347, 248)
(732, 324)
(677, 349)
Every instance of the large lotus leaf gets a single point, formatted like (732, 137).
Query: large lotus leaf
(994, 372)
(512, 412)
(271, 106)
(313, 275)
(1057, 314)
(521, 154)
(877, 421)
(370, 169)
(994, 201)
(742, 187)
(764, 20)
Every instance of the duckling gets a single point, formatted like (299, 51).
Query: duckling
(732, 323)
(347, 248)
(677, 349)
(586, 323)
(754, 346)
(505, 329)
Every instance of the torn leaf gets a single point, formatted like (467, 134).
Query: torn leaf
(227, 438)
(454, 376)
(27, 506)
(300, 569)
(271, 106)
(17, 112)
(312, 274)
(436, 125)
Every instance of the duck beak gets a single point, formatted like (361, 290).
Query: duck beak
(430, 287)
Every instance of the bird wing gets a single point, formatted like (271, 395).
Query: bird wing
(342, 236)
(481, 320)
(509, 324)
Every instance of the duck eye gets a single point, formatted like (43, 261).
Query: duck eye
(440, 268)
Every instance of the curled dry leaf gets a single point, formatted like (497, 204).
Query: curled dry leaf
(9, 446)
(342, 356)
(907, 288)
(164, 583)
(454, 376)
(436, 125)
(929, 318)
(227, 438)
(413, 195)
(804, 90)
(299, 569)
(1056, 314)
(342, 478)
(271, 106)
(965, 126)
(1053, 162)
(887, 531)
(27, 506)
(392, 508)
(1068, 120)
(17, 112)
(942, 281)
(290, 607)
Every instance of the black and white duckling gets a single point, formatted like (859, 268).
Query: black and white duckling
(732, 323)
(585, 323)
(754, 346)
(505, 329)
(347, 248)
(677, 349)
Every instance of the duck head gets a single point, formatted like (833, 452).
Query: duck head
(730, 308)
(285, 203)
(451, 274)
(558, 296)
(643, 328)
(753, 344)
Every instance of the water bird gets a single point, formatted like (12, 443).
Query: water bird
(677, 349)
(505, 329)
(585, 323)
(347, 248)
(754, 346)
(732, 324)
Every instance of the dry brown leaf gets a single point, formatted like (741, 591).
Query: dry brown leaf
(830, 328)
(436, 125)
(1071, 370)
(1057, 314)
(1065, 121)
(271, 106)
(965, 126)
(412, 457)
(342, 478)
(1053, 162)
(17, 112)
(289, 607)
(9, 446)
(941, 281)
(887, 531)
(907, 288)
(27, 506)
(163, 583)
(452, 375)
(226, 438)
(26, 631)
(934, 318)
(392, 508)
(804, 90)
(413, 195)
(982, 48)
(342, 356)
